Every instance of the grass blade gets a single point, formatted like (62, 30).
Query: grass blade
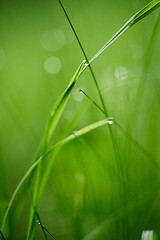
(127, 135)
(53, 119)
(78, 133)
(86, 58)
(149, 8)
(2, 236)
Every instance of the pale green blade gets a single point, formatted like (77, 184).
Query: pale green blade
(53, 119)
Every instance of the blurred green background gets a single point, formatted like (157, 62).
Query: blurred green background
(84, 197)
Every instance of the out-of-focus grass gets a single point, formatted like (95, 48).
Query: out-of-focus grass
(83, 192)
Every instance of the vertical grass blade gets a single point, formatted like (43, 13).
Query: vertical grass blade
(53, 119)
(86, 58)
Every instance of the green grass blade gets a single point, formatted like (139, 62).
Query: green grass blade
(149, 8)
(76, 134)
(59, 107)
(98, 89)
(117, 155)
(152, 6)
(86, 58)
(80, 133)
(53, 119)
(149, 235)
(1, 234)
(64, 141)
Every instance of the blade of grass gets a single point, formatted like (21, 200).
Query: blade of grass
(117, 155)
(149, 8)
(43, 228)
(2, 236)
(115, 145)
(39, 221)
(20, 201)
(59, 144)
(53, 119)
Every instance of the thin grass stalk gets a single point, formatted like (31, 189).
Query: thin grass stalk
(85, 56)
(149, 156)
(50, 127)
(3, 237)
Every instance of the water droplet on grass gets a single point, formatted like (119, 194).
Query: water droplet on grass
(38, 222)
(75, 133)
(85, 63)
(110, 120)
(80, 91)
(77, 97)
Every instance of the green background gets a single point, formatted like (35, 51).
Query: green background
(84, 197)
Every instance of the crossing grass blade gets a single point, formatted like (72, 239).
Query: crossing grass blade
(55, 114)
(78, 133)
(53, 119)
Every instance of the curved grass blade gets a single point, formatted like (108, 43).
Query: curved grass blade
(53, 119)
(58, 108)
(149, 8)
(149, 235)
(78, 133)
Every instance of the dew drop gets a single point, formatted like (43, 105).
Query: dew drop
(38, 222)
(110, 120)
(85, 63)
(80, 91)
(77, 97)
(75, 133)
